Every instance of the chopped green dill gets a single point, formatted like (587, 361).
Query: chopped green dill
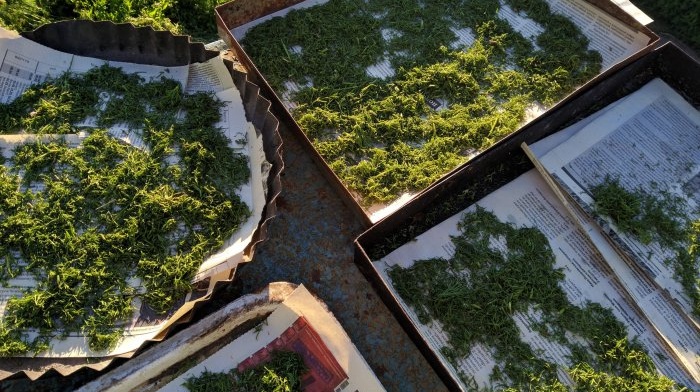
(632, 371)
(88, 221)
(477, 292)
(656, 217)
(281, 374)
(210, 382)
(659, 217)
(192, 17)
(381, 136)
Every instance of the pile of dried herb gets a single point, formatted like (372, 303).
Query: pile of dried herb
(191, 17)
(381, 136)
(659, 217)
(476, 294)
(105, 223)
(281, 374)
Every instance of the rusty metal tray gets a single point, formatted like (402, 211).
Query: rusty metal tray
(503, 163)
(309, 242)
(239, 12)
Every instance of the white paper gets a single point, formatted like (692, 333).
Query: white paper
(614, 40)
(634, 11)
(650, 141)
(25, 62)
(528, 201)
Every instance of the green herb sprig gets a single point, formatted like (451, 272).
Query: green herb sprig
(282, 373)
(106, 223)
(380, 136)
(658, 217)
(477, 292)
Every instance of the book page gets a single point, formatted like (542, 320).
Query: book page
(650, 142)
(614, 40)
(149, 73)
(528, 202)
(25, 62)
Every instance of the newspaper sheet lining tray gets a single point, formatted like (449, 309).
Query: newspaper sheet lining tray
(26, 62)
(528, 202)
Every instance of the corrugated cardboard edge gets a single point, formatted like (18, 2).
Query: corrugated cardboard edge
(258, 111)
(470, 182)
(238, 12)
(120, 42)
(143, 45)
(183, 345)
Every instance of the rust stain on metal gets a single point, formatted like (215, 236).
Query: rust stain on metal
(239, 12)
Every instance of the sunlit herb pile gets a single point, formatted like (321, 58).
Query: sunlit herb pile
(476, 294)
(381, 136)
(281, 374)
(656, 217)
(86, 221)
(192, 17)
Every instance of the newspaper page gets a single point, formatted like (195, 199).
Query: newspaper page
(213, 77)
(529, 202)
(606, 34)
(634, 11)
(244, 138)
(209, 76)
(304, 325)
(653, 300)
(650, 142)
(149, 73)
(26, 62)
(240, 31)
(614, 40)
